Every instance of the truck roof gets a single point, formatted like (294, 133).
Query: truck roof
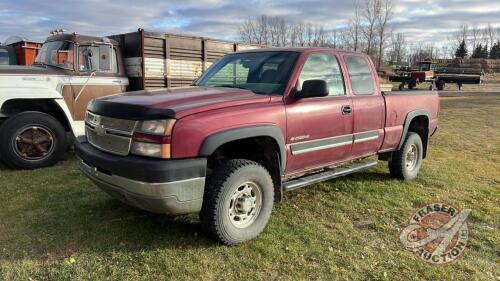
(78, 38)
(297, 49)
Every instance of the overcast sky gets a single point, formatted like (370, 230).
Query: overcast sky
(418, 19)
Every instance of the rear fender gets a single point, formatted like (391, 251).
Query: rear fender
(409, 118)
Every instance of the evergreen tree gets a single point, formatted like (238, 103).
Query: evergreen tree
(484, 52)
(495, 51)
(478, 51)
(461, 51)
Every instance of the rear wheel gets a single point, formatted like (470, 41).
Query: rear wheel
(238, 202)
(405, 162)
(32, 140)
(412, 84)
(440, 85)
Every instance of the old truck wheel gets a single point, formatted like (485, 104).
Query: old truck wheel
(32, 140)
(238, 202)
(405, 163)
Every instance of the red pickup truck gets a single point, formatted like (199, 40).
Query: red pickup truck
(256, 124)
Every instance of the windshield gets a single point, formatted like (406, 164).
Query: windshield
(260, 72)
(4, 57)
(57, 53)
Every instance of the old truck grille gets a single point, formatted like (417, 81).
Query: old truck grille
(109, 134)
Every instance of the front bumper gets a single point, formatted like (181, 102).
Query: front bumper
(158, 186)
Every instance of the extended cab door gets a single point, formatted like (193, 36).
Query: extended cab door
(319, 128)
(99, 76)
(368, 105)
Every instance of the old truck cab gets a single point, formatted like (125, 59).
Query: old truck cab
(7, 55)
(39, 104)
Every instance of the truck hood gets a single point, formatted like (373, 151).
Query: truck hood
(27, 70)
(173, 103)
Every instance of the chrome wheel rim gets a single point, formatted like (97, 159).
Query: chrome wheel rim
(245, 204)
(33, 142)
(411, 157)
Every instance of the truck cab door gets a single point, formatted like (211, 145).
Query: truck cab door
(97, 76)
(368, 106)
(319, 128)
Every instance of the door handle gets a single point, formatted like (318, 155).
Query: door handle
(346, 110)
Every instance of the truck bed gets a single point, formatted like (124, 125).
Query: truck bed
(399, 104)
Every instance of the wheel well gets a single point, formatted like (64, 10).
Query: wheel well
(420, 125)
(263, 150)
(47, 106)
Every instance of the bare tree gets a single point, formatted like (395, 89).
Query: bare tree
(475, 34)
(490, 34)
(278, 31)
(397, 50)
(255, 31)
(371, 12)
(385, 15)
(355, 26)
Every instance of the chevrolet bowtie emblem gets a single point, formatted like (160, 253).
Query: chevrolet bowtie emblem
(100, 130)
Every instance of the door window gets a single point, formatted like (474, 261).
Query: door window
(360, 75)
(88, 59)
(323, 67)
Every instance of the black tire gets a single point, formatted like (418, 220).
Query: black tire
(48, 140)
(440, 85)
(412, 84)
(398, 164)
(219, 202)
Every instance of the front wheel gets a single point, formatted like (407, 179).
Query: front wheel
(238, 202)
(405, 163)
(32, 140)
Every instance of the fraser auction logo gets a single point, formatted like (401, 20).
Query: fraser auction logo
(437, 233)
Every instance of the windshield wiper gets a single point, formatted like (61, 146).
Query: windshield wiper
(40, 63)
(239, 87)
(48, 64)
(231, 86)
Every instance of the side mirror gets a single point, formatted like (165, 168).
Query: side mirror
(313, 88)
(105, 57)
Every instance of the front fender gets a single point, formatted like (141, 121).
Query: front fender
(212, 142)
(35, 93)
(10, 93)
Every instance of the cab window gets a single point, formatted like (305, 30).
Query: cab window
(88, 59)
(360, 75)
(323, 67)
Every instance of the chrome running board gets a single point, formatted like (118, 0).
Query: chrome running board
(326, 175)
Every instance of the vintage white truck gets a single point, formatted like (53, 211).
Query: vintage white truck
(41, 105)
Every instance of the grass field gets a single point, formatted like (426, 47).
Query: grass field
(56, 225)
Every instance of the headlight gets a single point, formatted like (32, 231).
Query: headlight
(156, 127)
(152, 138)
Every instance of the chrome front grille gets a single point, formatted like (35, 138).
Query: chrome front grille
(115, 124)
(109, 134)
